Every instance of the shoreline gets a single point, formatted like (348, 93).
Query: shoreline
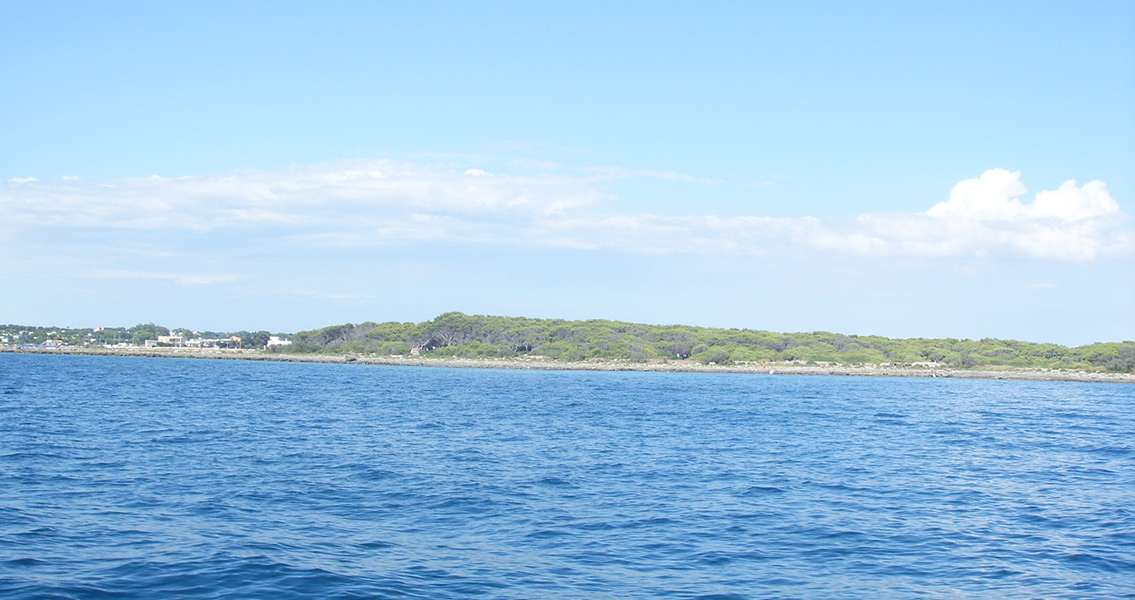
(528, 363)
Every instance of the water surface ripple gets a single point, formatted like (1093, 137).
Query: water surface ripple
(144, 478)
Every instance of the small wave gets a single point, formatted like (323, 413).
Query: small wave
(544, 534)
(889, 415)
(762, 490)
(713, 558)
(372, 474)
(725, 596)
(1118, 451)
(24, 562)
(844, 535)
(555, 482)
(377, 545)
(1099, 563)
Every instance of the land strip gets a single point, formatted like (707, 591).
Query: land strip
(670, 366)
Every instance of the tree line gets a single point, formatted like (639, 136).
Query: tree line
(459, 335)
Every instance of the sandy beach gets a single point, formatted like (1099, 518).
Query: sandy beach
(669, 366)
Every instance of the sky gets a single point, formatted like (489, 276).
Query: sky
(907, 169)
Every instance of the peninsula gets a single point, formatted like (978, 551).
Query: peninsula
(459, 340)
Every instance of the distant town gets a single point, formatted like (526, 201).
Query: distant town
(139, 336)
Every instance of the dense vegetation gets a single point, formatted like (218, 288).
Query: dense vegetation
(475, 336)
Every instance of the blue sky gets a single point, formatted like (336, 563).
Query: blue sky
(905, 169)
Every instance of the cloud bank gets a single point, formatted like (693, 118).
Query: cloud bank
(381, 202)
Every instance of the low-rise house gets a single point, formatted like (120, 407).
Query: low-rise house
(176, 341)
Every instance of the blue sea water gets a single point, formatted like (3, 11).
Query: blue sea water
(155, 478)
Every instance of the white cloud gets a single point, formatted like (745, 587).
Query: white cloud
(986, 214)
(995, 196)
(983, 217)
(1071, 203)
(383, 203)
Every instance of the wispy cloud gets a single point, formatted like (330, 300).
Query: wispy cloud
(326, 296)
(383, 202)
(319, 196)
(188, 279)
(613, 173)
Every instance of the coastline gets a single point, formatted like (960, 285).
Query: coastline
(529, 363)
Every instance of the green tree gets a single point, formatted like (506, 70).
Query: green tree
(147, 331)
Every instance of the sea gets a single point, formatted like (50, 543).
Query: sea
(177, 478)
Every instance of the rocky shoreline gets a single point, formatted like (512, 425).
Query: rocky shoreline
(597, 365)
